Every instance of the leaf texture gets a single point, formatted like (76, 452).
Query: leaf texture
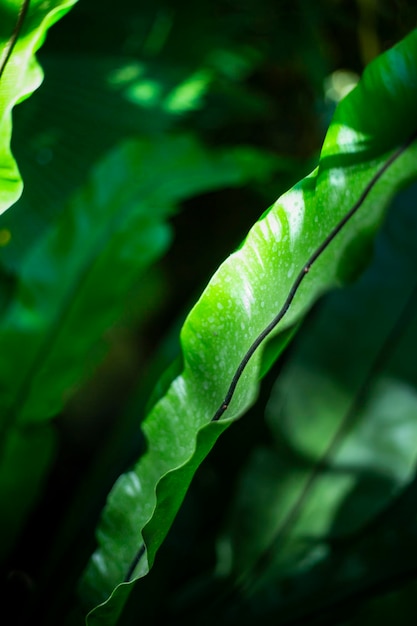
(240, 301)
(342, 414)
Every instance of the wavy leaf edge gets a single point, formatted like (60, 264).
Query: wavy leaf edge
(228, 289)
(22, 70)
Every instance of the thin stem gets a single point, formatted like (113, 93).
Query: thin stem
(302, 274)
(402, 322)
(139, 554)
(8, 49)
(271, 326)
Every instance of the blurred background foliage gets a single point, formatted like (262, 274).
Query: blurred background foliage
(260, 80)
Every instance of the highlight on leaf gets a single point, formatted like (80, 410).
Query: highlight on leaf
(340, 466)
(23, 28)
(328, 219)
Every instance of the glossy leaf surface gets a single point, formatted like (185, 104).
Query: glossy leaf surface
(240, 301)
(343, 416)
(23, 27)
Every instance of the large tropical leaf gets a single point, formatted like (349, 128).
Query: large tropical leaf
(23, 27)
(343, 413)
(362, 165)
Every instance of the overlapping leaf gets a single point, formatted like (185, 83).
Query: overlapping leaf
(241, 300)
(23, 28)
(343, 414)
(75, 281)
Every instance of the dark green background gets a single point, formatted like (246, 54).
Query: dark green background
(267, 62)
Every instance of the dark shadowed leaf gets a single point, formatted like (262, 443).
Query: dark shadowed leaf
(75, 281)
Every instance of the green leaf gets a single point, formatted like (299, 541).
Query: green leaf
(343, 415)
(74, 283)
(242, 299)
(23, 28)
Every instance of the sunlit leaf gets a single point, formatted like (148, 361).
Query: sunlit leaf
(343, 413)
(243, 298)
(23, 28)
